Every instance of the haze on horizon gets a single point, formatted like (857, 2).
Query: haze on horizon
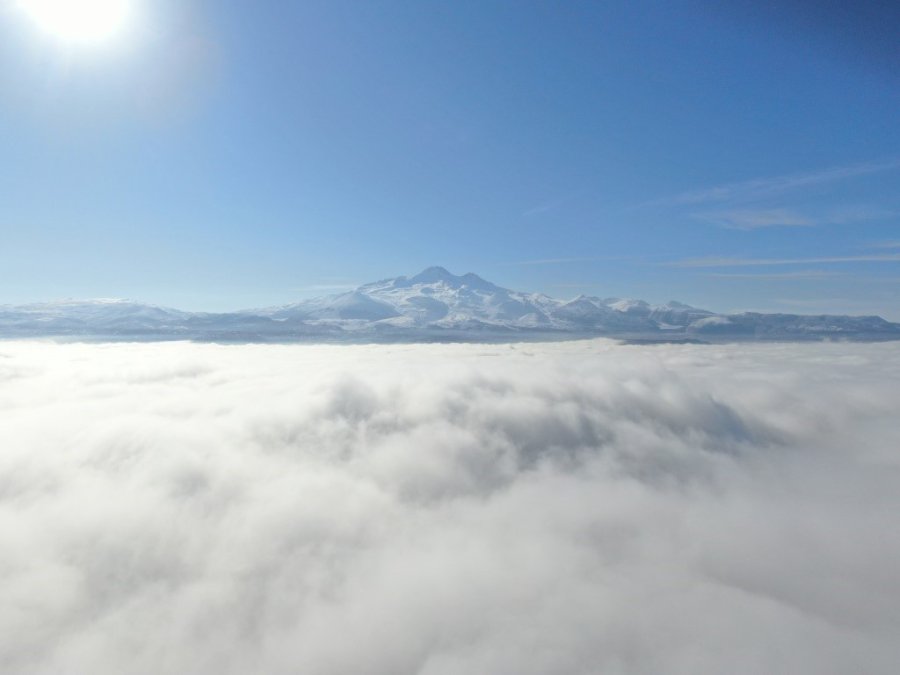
(208, 156)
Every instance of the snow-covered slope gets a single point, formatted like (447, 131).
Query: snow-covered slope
(433, 304)
(433, 297)
(75, 315)
(438, 299)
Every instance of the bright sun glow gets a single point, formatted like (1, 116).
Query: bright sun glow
(80, 21)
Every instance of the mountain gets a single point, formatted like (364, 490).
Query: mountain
(433, 298)
(432, 305)
(89, 315)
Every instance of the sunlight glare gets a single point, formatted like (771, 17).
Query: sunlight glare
(79, 21)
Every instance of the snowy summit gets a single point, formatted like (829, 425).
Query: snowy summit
(434, 304)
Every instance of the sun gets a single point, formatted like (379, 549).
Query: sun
(79, 21)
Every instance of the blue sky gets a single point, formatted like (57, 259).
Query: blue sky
(223, 155)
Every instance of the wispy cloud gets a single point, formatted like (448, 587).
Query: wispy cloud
(753, 219)
(765, 187)
(887, 244)
(860, 213)
(325, 287)
(777, 276)
(747, 262)
(743, 219)
(586, 284)
(829, 304)
(562, 261)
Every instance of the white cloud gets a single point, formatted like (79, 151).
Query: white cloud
(545, 508)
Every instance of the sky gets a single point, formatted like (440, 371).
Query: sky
(223, 155)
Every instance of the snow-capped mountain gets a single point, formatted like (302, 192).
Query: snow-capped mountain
(437, 299)
(74, 315)
(432, 305)
(434, 297)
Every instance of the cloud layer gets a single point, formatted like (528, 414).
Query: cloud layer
(548, 508)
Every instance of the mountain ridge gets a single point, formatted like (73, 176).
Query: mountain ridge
(433, 304)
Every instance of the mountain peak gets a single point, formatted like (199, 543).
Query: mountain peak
(437, 274)
(432, 274)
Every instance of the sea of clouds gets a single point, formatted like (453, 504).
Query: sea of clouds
(569, 508)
